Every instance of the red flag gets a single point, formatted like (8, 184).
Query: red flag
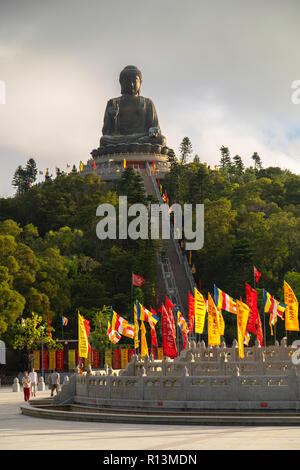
(95, 168)
(259, 334)
(116, 359)
(257, 274)
(251, 301)
(168, 336)
(137, 280)
(87, 330)
(152, 330)
(191, 312)
(169, 305)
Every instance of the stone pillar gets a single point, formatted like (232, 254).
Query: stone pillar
(16, 385)
(235, 384)
(41, 384)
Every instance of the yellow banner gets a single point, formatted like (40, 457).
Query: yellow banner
(214, 337)
(83, 345)
(200, 311)
(242, 313)
(291, 311)
(71, 359)
(144, 346)
(107, 357)
(136, 329)
(52, 360)
(221, 321)
(124, 358)
(160, 354)
(36, 360)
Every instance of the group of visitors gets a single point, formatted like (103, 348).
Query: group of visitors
(30, 382)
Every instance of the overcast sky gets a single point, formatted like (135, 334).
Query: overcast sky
(219, 72)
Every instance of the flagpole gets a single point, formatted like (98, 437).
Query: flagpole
(131, 297)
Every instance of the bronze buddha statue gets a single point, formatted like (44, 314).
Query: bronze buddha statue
(130, 121)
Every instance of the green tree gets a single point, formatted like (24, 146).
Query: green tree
(257, 161)
(225, 161)
(185, 149)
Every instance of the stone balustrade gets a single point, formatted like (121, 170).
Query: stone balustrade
(200, 377)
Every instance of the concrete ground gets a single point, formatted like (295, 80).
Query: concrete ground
(19, 432)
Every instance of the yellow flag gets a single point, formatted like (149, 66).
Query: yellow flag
(81, 166)
(291, 311)
(124, 357)
(71, 359)
(52, 359)
(160, 354)
(221, 321)
(107, 358)
(136, 329)
(36, 360)
(83, 345)
(124, 163)
(242, 313)
(200, 311)
(214, 337)
(144, 346)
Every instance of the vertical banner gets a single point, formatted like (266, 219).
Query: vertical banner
(251, 301)
(191, 312)
(45, 360)
(124, 357)
(136, 328)
(116, 359)
(144, 346)
(168, 334)
(107, 357)
(160, 354)
(36, 360)
(291, 311)
(220, 321)
(71, 359)
(83, 345)
(96, 359)
(214, 337)
(60, 359)
(200, 311)
(52, 360)
(242, 313)
(131, 352)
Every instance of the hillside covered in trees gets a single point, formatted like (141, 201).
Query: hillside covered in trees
(52, 263)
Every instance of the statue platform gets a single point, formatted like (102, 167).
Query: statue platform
(110, 167)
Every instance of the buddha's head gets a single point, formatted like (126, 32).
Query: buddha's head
(130, 80)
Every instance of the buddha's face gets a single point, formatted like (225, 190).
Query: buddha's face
(131, 84)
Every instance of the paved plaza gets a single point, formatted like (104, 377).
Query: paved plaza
(19, 432)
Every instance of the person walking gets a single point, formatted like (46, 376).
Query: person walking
(26, 380)
(49, 380)
(55, 381)
(34, 381)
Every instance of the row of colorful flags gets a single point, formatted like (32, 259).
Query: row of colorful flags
(200, 309)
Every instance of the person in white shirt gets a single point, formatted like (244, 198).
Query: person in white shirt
(34, 382)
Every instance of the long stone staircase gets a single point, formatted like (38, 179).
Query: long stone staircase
(174, 277)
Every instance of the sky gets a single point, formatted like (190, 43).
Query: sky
(220, 72)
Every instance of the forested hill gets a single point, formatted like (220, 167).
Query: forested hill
(51, 261)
